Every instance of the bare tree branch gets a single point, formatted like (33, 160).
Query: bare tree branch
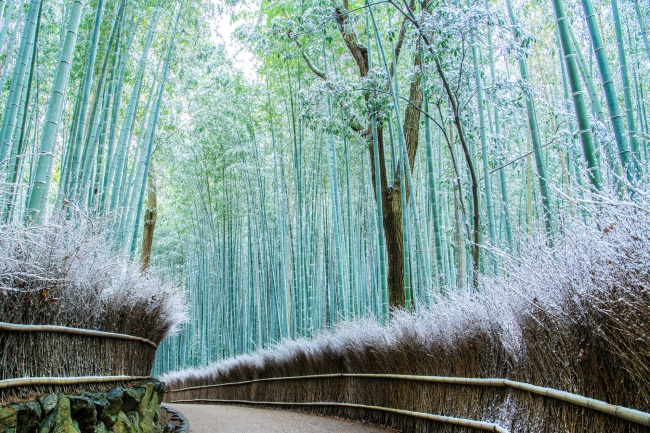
(311, 64)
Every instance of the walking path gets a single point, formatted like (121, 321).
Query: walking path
(237, 419)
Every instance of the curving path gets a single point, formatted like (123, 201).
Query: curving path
(238, 419)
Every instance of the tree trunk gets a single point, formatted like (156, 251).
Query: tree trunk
(150, 216)
(390, 195)
(393, 229)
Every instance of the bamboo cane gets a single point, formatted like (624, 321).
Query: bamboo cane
(15, 327)
(38, 381)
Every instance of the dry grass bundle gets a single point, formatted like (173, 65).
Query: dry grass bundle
(64, 272)
(574, 317)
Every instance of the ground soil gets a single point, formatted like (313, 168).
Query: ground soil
(238, 419)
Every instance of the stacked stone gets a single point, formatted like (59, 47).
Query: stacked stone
(120, 410)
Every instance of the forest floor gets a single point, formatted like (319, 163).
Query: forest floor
(237, 419)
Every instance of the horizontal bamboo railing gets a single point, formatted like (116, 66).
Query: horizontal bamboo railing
(461, 422)
(16, 327)
(44, 381)
(632, 415)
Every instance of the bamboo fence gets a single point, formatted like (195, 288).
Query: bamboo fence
(41, 359)
(415, 403)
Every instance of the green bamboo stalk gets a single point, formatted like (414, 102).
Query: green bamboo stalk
(5, 18)
(336, 207)
(643, 27)
(616, 118)
(381, 238)
(487, 183)
(85, 97)
(127, 126)
(596, 107)
(10, 49)
(87, 168)
(109, 166)
(67, 151)
(39, 193)
(500, 148)
(18, 148)
(536, 140)
(151, 133)
(92, 141)
(101, 152)
(112, 148)
(640, 103)
(629, 110)
(576, 89)
(18, 78)
(447, 240)
(304, 303)
(433, 195)
(354, 301)
(296, 295)
(127, 196)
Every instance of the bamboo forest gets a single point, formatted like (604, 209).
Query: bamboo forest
(269, 188)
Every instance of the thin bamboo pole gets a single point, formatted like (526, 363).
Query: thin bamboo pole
(15, 327)
(39, 381)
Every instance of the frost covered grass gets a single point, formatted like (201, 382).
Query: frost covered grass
(574, 316)
(64, 272)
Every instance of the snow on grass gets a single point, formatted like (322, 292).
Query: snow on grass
(64, 272)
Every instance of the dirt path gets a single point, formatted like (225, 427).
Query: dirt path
(237, 419)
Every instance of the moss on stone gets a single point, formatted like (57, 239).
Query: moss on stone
(121, 410)
(8, 419)
(123, 424)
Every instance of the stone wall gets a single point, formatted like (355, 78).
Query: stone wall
(120, 410)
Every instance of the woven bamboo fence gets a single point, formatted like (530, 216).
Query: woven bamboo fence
(602, 357)
(42, 359)
(425, 403)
